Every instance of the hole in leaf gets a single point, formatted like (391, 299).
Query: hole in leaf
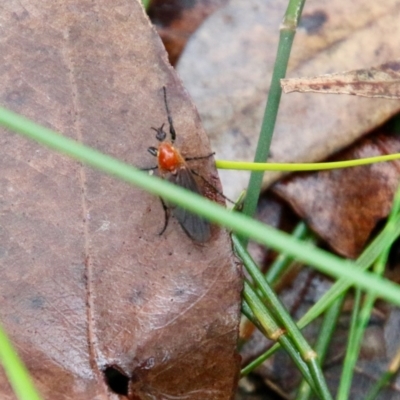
(116, 380)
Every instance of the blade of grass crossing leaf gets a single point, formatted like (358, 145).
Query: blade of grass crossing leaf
(243, 225)
(16, 372)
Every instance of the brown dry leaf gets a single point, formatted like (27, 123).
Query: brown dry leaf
(343, 206)
(87, 282)
(229, 77)
(176, 20)
(382, 81)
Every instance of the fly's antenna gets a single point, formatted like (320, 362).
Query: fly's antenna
(171, 124)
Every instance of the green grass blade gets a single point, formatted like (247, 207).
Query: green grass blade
(350, 359)
(286, 37)
(243, 225)
(16, 372)
(328, 327)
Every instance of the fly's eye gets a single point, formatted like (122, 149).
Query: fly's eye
(160, 134)
(153, 151)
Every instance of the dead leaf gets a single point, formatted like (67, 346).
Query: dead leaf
(382, 81)
(229, 77)
(343, 206)
(176, 20)
(88, 285)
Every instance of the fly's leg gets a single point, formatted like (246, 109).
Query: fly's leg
(204, 179)
(212, 186)
(166, 216)
(149, 168)
(200, 157)
(153, 152)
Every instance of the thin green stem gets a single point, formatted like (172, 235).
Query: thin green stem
(146, 4)
(271, 329)
(350, 359)
(280, 264)
(248, 313)
(287, 33)
(291, 167)
(16, 372)
(328, 327)
(271, 299)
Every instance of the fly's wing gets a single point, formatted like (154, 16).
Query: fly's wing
(197, 228)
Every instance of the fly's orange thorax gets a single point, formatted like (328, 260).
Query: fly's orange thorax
(169, 158)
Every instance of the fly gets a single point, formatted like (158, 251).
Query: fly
(172, 166)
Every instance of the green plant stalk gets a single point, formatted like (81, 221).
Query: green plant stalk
(328, 327)
(271, 300)
(291, 350)
(261, 312)
(349, 362)
(243, 225)
(248, 313)
(271, 329)
(280, 314)
(349, 365)
(282, 262)
(287, 33)
(146, 4)
(293, 167)
(319, 379)
(385, 238)
(259, 360)
(16, 372)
